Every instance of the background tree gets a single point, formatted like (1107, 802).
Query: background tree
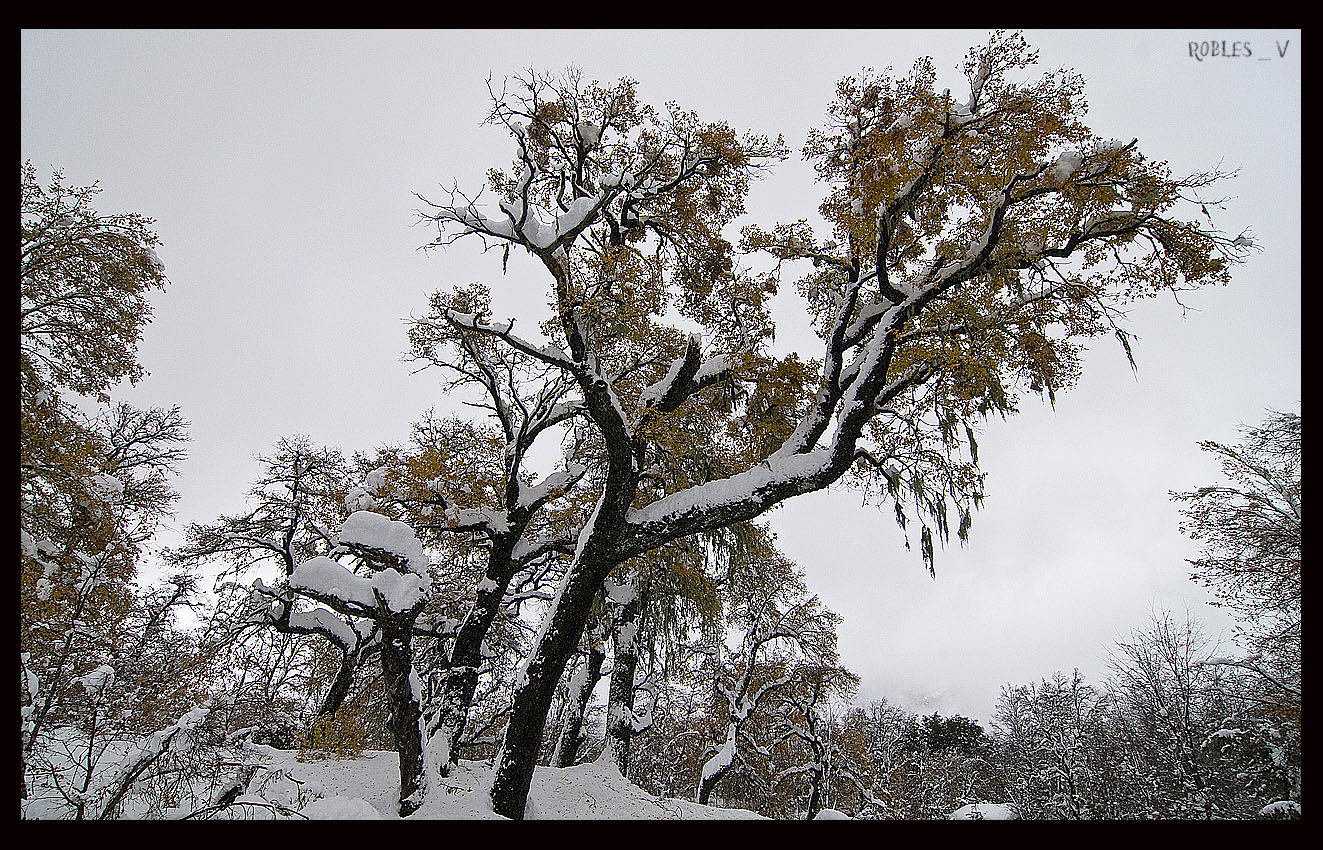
(1250, 528)
(297, 500)
(663, 601)
(807, 739)
(468, 480)
(780, 624)
(1168, 736)
(874, 741)
(392, 596)
(1050, 736)
(85, 278)
(578, 696)
(93, 477)
(1167, 702)
(894, 764)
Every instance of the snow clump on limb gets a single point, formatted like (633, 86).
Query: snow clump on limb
(375, 480)
(375, 531)
(1066, 166)
(331, 580)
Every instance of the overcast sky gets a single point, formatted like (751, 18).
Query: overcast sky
(281, 168)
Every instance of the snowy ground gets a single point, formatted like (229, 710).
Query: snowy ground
(984, 811)
(366, 787)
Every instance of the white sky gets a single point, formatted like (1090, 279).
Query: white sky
(281, 165)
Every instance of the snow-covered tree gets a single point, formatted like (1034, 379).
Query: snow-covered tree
(391, 596)
(579, 687)
(807, 731)
(1168, 736)
(475, 481)
(888, 763)
(149, 671)
(874, 742)
(93, 476)
(784, 633)
(1167, 702)
(976, 246)
(296, 501)
(1051, 736)
(660, 601)
(1250, 528)
(1195, 738)
(85, 278)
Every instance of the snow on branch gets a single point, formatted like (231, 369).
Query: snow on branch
(553, 485)
(681, 380)
(331, 581)
(378, 533)
(323, 622)
(540, 230)
(109, 788)
(332, 584)
(504, 330)
(780, 473)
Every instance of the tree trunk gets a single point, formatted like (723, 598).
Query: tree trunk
(460, 681)
(597, 553)
(405, 710)
(624, 665)
(536, 682)
(344, 679)
(716, 767)
(815, 794)
(571, 739)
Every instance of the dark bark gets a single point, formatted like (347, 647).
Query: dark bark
(405, 712)
(540, 674)
(569, 615)
(460, 681)
(706, 785)
(344, 680)
(610, 539)
(709, 781)
(815, 794)
(238, 786)
(572, 737)
(624, 667)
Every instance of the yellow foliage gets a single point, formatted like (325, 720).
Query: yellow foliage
(343, 735)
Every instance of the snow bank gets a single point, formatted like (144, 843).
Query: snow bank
(350, 787)
(1281, 808)
(341, 808)
(984, 811)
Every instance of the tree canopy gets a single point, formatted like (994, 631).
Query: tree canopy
(977, 242)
